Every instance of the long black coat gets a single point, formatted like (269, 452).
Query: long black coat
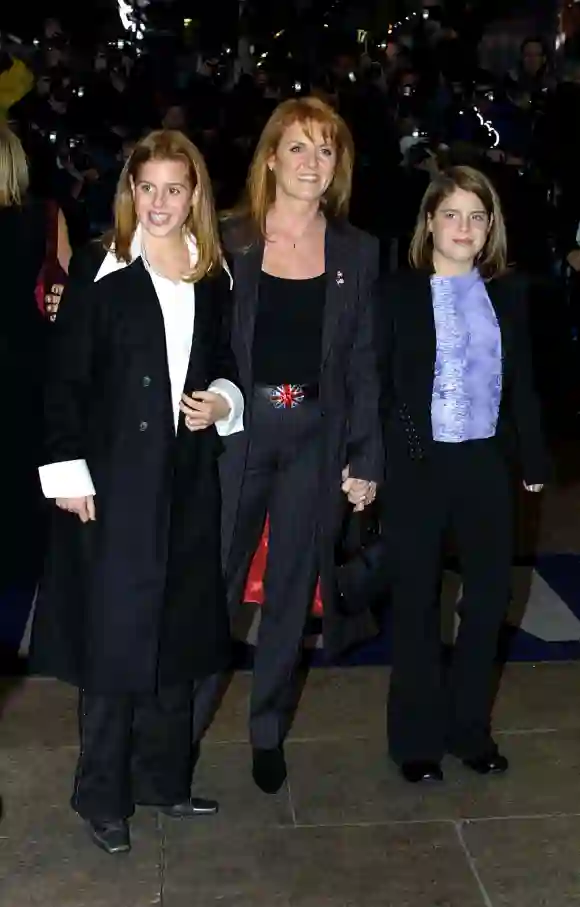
(135, 599)
(407, 348)
(349, 397)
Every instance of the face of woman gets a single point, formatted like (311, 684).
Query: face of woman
(303, 165)
(163, 196)
(533, 58)
(459, 229)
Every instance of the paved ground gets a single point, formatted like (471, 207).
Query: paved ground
(346, 830)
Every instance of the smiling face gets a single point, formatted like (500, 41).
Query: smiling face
(459, 228)
(163, 197)
(304, 163)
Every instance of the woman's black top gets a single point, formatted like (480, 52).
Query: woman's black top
(288, 330)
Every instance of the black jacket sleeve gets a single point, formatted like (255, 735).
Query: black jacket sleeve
(365, 448)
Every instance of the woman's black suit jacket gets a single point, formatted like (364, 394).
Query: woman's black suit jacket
(348, 396)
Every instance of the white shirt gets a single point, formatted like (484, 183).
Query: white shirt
(72, 478)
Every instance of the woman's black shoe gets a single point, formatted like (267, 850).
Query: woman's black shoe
(415, 772)
(190, 809)
(269, 769)
(491, 764)
(112, 837)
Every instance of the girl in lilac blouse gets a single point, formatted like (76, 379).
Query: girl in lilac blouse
(458, 405)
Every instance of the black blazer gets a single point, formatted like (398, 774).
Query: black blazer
(348, 382)
(349, 392)
(406, 347)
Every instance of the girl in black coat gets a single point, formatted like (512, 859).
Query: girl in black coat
(141, 384)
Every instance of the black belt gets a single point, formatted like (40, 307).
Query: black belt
(287, 396)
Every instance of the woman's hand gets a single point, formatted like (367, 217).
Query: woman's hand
(203, 409)
(52, 300)
(359, 492)
(83, 507)
(535, 489)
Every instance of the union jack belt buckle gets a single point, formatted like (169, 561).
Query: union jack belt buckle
(287, 396)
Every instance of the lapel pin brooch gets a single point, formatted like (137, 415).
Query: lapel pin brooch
(339, 278)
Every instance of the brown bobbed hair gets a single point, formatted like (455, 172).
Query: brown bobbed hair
(261, 183)
(492, 259)
(170, 145)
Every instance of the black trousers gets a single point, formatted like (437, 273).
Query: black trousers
(133, 750)
(282, 478)
(466, 487)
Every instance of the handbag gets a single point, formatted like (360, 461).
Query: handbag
(361, 561)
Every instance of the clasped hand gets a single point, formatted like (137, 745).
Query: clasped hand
(203, 409)
(359, 492)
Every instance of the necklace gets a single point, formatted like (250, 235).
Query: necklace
(297, 239)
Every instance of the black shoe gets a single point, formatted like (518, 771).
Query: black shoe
(269, 769)
(490, 764)
(190, 809)
(112, 837)
(414, 772)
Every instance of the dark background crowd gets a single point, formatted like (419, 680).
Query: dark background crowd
(414, 97)
(435, 86)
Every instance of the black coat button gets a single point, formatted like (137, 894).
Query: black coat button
(146, 381)
(143, 426)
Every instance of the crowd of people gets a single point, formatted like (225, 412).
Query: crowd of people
(202, 377)
(408, 105)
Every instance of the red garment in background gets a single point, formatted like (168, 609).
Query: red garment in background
(51, 271)
(255, 582)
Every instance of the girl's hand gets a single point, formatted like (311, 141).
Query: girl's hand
(203, 409)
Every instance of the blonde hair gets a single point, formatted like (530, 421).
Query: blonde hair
(14, 178)
(169, 145)
(261, 184)
(492, 260)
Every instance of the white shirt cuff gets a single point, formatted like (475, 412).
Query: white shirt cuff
(69, 479)
(234, 421)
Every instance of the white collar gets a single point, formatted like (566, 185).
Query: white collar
(111, 263)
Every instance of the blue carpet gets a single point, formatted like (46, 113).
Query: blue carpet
(560, 573)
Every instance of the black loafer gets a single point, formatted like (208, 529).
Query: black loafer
(269, 769)
(416, 772)
(489, 764)
(111, 836)
(190, 809)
